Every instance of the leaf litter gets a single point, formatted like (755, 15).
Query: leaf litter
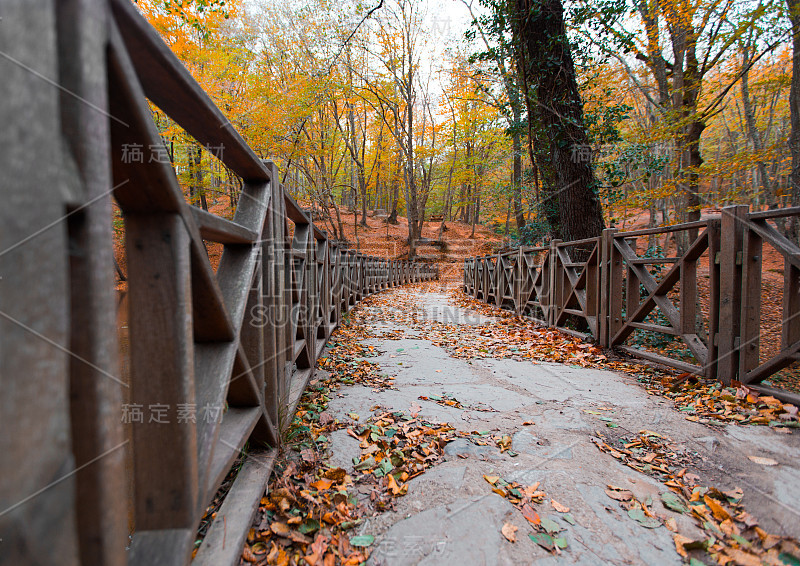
(732, 535)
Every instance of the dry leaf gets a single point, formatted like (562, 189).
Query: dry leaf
(322, 484)
(763, 461)
(720, 513)
(491, 479)
(280, 529)
(509, 531)
(558, 507)
(680, 542)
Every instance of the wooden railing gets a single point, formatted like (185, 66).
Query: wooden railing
(217, 359)
(700, 310)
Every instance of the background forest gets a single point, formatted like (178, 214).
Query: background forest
(404, 108)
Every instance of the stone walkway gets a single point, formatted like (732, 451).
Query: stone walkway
(451, 516)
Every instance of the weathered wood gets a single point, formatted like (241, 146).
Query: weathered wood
(195, 344)
(217, 229)
(236, 426)
(171, 87)
(36, 443)
(227, 534)
(162, 371)
(751, 302)
(95, 400)
(730, 292)
(663, 360)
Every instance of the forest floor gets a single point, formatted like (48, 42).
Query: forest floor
(438, 430)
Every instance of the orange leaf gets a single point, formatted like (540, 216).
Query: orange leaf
(531, 515)
(718, 510)
(322, 484)
(558, 507)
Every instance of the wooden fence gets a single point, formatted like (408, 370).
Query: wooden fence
(217, 358)
(711, 308)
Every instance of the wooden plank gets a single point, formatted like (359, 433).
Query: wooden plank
(688, 297)
(730, 292)
(95, 400)
(714, 236)
(236, 426)
(784, 359)
(655, 328)
(751, 302)
(217, 229)
(173, 89)
(790, 327)
(36, 443)
(167, 547)
(225, 538)
(677, 364)
(152, 187)
(162, 371)
(781, 394)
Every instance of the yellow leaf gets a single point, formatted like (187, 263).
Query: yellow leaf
(491, 479)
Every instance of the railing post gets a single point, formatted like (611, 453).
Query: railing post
(604, 293)
(555, 291)
(730, 291)
(612, 288)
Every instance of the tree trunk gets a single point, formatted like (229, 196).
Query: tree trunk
(794, 105)
(550, 72)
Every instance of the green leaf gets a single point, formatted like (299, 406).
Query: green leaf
(674, 502)
(550, 525)
(309, 526)
(789, 559)
(366, 464)
(637, 514)
(384, 468)
(561, 542)
(362, 540)
(568, 518)
(543, 540)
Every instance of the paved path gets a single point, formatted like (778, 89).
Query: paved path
(451, 516)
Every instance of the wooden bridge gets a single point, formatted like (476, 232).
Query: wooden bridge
(217, 358)
(709, 298)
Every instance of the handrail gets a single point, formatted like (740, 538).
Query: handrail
(240, 341)
(602, 293)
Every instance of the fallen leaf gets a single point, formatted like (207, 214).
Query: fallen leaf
(720, 513)
(509, 531)
(674, 502)
(638, 515)
(620, 494)
(531, 515)
(491, 479)
(550, 525)
(544, 540)
(680, 544)
(558, 507)
(362, 540)
(322, 484)
(763, 461)
(280, 529)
